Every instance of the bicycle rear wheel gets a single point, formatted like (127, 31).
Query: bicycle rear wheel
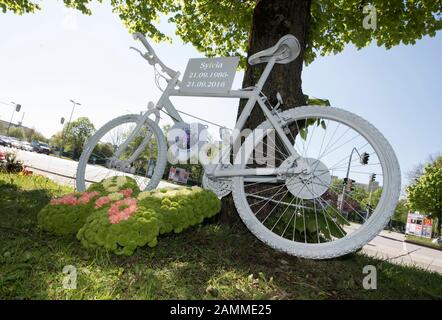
(98, 160)
(318, 215)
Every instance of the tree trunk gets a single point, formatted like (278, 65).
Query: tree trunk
(272, 20)
(439, 224)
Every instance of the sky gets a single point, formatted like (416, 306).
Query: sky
(57, 54)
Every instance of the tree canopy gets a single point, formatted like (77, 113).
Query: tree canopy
(76, 134)
(222, 27)
(425, 195)
(18, 133)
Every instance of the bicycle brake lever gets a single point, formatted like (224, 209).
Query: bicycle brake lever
(137, 50)
(144, 55)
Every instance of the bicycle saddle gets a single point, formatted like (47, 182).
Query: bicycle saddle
(286, 50)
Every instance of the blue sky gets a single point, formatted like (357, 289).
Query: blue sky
(57, 54)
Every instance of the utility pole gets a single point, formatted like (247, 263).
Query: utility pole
(16, 109)
(20, 124)
(74, 104)
(363, 158)
(370, 187)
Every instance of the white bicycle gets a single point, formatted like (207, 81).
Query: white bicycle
(296, 203)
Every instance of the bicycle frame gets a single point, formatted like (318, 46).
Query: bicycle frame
(253, 96)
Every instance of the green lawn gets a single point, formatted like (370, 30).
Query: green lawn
(423, 241)
(202, 263)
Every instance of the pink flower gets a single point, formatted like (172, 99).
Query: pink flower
(102, 201)
(86, 197)
(72, 200)
(127, 193)
(122, 210)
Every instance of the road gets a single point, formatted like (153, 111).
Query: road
(63, 170)
(386, 246)
(391, 246)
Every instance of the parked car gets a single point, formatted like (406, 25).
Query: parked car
(41, 147)
(15, 143)
(5, 141)
(26, 146)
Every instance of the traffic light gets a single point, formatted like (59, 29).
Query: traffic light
(351, 185)
(373, 177)
(364, 158)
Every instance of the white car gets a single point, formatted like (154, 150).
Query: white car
(26, 146)
(15, 143)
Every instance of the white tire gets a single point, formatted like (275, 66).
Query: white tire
(94, 140)
(350, 242)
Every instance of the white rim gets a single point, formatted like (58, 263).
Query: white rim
(92, 142)
(355, 240)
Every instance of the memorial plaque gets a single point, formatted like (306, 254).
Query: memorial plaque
(209, 75)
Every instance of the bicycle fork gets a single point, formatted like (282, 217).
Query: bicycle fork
(125, 164)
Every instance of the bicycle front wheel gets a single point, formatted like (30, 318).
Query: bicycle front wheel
(344, 201)
(99, 161)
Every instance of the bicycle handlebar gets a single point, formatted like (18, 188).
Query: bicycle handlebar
(152, 57)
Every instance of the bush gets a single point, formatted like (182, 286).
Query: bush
(181, 208)
(66, 215)
(115, 184)
(11, 164)
(113, 214)
(127, 224)
(121, 238)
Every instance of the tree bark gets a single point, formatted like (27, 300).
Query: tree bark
(439, 224)
(272, 20)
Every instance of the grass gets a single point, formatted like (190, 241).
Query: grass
(423, 241)
(206, 262)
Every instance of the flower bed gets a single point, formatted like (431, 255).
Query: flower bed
(122, 237)
(114, 215)
(66, 215)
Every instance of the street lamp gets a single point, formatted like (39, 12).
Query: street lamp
(74, 104)
(16, 109)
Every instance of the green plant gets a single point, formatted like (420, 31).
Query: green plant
(109, 216)
(181, 208)
(11, 164)
(35, 182)
(115, 184)
(154, 213)
(425, 195)
(122, 238)
(66, 215)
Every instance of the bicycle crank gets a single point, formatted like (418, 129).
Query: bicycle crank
(220, 186)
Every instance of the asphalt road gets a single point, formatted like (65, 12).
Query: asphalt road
(391, 246)
(63, 170)
(386, 246)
